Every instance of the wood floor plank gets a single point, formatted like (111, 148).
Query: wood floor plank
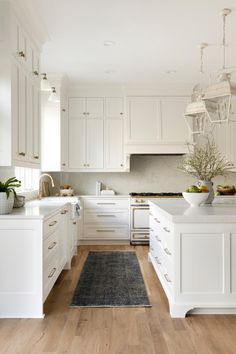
(115, 330)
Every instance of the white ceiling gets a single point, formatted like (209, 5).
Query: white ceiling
(152, 37)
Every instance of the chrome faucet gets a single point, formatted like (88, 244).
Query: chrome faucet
(40, 189)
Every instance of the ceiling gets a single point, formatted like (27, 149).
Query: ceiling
(151, 38)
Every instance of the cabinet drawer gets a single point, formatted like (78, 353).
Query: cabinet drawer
(140, 236)
(50, 225)
(104, 217)
(50, 245)
(50, 274)
(108, 204)
(106, 233)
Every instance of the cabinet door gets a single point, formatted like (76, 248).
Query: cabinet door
(173, 126)
(144, 120)
(23, 112)
(114, 143)
(94, 107)
(77, 143)
(36, 124)
(77, 107)
(114, 107)
(94, 143)
(64, 134)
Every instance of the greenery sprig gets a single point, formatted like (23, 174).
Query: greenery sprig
(205, 162)
(9, 186)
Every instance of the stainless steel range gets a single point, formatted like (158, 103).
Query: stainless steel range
(139, 209)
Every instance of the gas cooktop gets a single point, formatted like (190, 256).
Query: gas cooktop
(164, 194)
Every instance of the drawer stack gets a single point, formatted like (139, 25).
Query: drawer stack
(51, 244)
(162, 247)
(106, 219)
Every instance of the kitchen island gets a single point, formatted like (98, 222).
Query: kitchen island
(193, 251)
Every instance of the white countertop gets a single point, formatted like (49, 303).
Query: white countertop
(39, 209)
(179, 211)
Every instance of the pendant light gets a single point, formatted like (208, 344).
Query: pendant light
(196, 113)
(53, 96)
(218, 96)
(45, 85)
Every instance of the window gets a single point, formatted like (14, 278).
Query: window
(29, 178)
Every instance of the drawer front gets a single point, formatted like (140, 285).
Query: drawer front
(107, 204)
(50, 274)
(104, 217)
(50, 245)
(106, 233)
(140, 236)
(51, 225)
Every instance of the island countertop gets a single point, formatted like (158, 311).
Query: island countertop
(179, 211)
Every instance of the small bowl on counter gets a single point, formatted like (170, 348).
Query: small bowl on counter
(195, 199)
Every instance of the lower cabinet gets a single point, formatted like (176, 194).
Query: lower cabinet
(105, 220)
(195, 264)
(33, 252)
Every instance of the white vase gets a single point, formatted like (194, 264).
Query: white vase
(6, 204)
(209, 185)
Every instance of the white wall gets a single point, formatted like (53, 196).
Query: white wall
(148, 174)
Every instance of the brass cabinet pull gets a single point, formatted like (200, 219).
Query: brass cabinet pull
(63, 164)
(52, 273)
(157, 260)
(36, 73)
(53, 223)
(52, 245)
(105, 230)
(22, 153)
(106, 216)
(21, 54)
(121, 165)
(121, 113)
(74, 222)
(167, 278)
(167, 251)
(106, 203)
(88, 165)
(36, 157)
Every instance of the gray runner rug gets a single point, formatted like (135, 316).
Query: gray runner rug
(111, 279)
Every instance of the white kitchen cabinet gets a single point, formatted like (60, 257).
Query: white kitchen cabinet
(105, 220)
(156, 125)
(86, 124)
(20, 116)
(114, 133)
(194, 260)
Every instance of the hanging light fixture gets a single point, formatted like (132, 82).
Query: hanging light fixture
(53, 96)
(218, 97)
(196, 113)
(45, 85)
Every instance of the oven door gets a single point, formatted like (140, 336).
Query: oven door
(139, 217)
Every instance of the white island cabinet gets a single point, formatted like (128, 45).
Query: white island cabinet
(35, 246)
(193, 251)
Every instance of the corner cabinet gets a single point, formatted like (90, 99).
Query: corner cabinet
(20, 115)
(96, 134)
(156, 125)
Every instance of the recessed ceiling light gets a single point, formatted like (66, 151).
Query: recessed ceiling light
(171, 72)
(109, 43)
(110, 71)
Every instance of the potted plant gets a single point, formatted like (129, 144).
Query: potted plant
(205, 163)
(7, 193)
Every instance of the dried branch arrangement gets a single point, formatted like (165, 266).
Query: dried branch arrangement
(205, 162)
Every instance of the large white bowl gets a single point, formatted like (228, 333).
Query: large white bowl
(195, 199)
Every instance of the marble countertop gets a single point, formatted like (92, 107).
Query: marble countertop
(40, 209)
(179, 211)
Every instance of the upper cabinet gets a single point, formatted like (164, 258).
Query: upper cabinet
(96, 134)
(156, 125)
(20, 116)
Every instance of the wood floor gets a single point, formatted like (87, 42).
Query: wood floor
(115, 330)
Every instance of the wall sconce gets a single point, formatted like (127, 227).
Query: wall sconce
(45, 85)
(53, 96)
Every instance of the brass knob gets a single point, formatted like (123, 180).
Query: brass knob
(88, 165)
(36, 157)
(63, 110)
(36, 73)
(121, 113)
(22, 153)
(74, 223)
(63, 164)
(121, 165)
(84, 113)
(84, 164)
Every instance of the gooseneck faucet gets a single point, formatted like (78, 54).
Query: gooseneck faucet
(40, 189)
